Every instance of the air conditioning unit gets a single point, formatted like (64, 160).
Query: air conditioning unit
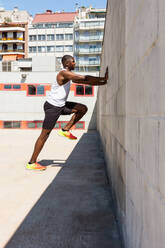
(23, 75)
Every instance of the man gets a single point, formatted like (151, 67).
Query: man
(57, 105)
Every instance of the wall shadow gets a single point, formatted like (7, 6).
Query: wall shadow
(75, 211)
(93, 120)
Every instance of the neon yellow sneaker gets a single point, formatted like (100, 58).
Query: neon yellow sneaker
(67, 134)
(35, 166)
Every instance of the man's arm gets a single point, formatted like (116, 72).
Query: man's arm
(64, 76)
(90, 80)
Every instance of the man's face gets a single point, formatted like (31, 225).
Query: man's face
(71, 64)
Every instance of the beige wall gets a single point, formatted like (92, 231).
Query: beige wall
(131, 117)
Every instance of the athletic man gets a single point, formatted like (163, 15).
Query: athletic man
(57, 105)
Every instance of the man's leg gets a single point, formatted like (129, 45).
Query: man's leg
(39, 144)
(79, 111)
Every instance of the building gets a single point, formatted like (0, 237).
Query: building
(24, 89)
(14, 34)
(51, 34)
(28, 81)
(88, 37)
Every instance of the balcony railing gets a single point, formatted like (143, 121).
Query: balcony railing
(88, 63)
(12, 38)
(11, 50)
(88, 51)
(89, 38)
(87, 26)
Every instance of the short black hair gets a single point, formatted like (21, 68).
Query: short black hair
(65, 58)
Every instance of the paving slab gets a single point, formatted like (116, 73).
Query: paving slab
(67, 206)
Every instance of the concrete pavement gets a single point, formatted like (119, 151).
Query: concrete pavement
(67, 206)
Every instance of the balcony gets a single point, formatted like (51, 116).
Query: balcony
(89, 38)
(12, 51)
(88, 63)
(11, 40)
(89, 26)
(88, 51)
(10, 29)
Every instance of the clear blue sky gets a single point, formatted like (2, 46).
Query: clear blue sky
(39, 6)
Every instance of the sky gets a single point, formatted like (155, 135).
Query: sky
(36, 6)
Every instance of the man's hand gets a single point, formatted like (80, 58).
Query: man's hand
(106, 74)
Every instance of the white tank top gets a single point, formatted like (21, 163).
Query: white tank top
(58, 94)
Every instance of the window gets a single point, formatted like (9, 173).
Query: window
(41, 49)
(39, 124)
(34, 124)
(32, 37)
(50, 37)
(6, 66)
(7, 86)
(40, 90)
(59, 59)
(57, 125)
(11, 124)
(16, 86)
(36, 90)
(58, 63)
(50, 49)
(63, 123)
(93, 61)
(31, 90)
(79, 90)
(31, 124)
(32, 49)
(59, 37)
(65, 25)
(26, 69)
(39, 25)
(12, 87)
(84, 90)
(68, 36)
(48, 25)
(88, 90)
(80, 125)
(59, 48)
(41, 37)
(68, 48)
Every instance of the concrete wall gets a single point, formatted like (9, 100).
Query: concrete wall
(131, 117)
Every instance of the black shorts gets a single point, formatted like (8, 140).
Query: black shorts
(52, 113)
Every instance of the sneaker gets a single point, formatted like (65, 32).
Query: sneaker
(35, 166)
(67, 134)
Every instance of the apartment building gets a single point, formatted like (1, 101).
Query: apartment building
(51, 34)
(14, 34)
(88, 37)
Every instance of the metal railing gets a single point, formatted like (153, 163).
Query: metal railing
(89, 38)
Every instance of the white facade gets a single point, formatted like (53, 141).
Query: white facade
(44, 42)
(88, 37)
(18, 105)
(52, 38)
